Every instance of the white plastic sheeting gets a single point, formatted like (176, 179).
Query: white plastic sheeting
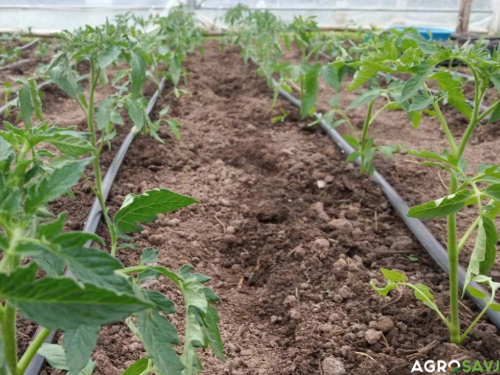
(54, 15)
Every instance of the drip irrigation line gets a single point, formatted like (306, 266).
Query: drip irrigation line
(30, 44)
(416, 226)
(15, 64)
(94, 217)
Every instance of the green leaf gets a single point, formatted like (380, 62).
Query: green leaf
(481, 247)
(453, 88)
(416, 117)
(144, 208)
(476, 293)
(5, 150)
(424, 294)
(493, 191)
(35, 99)
(55, 185)
(330, 74)
(365, 97)
(174, 126)
(70, 144)
(309, 91)
(161, 302)
(136, 113)
(76, 239)
(137, 368)
(421, 102)
(158, 336)
(25, 105)
(415, 83)
(392, 275)
(385, 290)
(52, 229)
(65, 78)
(63, 303)
(441, 207)
(495, 116)
(491, 248)
(96, 267)
(362, 75)
(55, 356)
(109, 56)
(149, 255)
(138, 73)
(78, 345)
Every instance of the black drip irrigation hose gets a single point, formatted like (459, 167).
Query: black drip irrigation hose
(416, 226)
(94, 217)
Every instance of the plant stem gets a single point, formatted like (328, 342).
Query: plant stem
(364, 135)
(94, 74)
(453, 264)
(9, 337)
(32, 350)
(133, 269)
(444, 126)
(478, 318)
(467, 234)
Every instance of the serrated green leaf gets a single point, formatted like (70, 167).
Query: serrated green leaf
(158, 336)
(96, 267)
(424, 294)
(309, 91)
(364, 73)
(55, 185)
(70, 144)
(365, 97)
(144, 208)
(62, 303)
(109, 56)
(78, 345)
(421, 102)
(25, 105)
(414, 84)
(137, 368)
(162, 303)
(149, 255)
(478, 254)
(136, 113)
(392, 275)
(138, 75)
(385, 290)
(440, 207)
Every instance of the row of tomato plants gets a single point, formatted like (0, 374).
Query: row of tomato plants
(262, 37)
(81, 288)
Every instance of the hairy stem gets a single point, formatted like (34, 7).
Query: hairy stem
(364, 135)
(9, 337)
(32, 350)
(453, 264)
(94, 74)
(445, 127)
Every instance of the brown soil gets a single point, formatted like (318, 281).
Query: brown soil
(293, 283)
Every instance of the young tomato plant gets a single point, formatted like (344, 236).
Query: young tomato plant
(410, 54)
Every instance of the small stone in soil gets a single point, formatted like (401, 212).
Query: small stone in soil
(372, 336)
(385, 324)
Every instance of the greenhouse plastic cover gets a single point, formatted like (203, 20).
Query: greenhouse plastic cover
(55, 15)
